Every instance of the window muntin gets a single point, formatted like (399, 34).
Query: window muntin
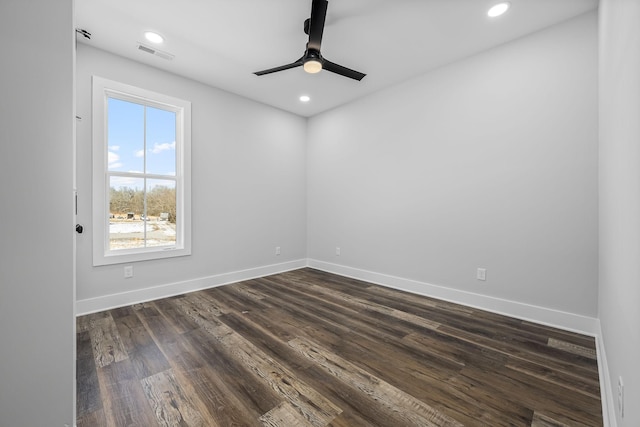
(141, 179)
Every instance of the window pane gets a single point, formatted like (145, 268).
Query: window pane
(161, 212)
(125, 134)
(161, 142)
(126, 211)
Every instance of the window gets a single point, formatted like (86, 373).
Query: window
(141, 174)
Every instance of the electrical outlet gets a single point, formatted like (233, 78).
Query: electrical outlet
(481, 274)
(277, 250)
(128, 271)
(337, 251)
(620, 397)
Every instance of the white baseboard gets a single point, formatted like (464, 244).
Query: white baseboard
(606, 391)
(542, 315)
(107, 302)
(559, 319)
(546, 316)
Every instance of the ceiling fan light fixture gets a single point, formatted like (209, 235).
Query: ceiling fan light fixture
(312, 66)
(498, 9)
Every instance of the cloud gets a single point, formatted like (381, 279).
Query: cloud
(113, 157)
(113, 160)
(158, 148)
(114, 147)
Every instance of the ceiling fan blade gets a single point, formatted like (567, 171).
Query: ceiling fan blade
(343, 71)
(316, 23)
(298, 63)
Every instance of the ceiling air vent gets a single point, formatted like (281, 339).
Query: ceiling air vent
(156, 52)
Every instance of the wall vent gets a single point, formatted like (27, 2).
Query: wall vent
(156, 52)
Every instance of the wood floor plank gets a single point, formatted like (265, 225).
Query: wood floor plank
(105, 340)
(162, 328)
(223, 404)
(314, 407)
(146, 358)
(124, 401)
(348, 419)
(572, 348)
(219, 388)
(180, 323)
(258, 330)
(576, 409)
(310, 348)
(571, 383)
(284, 415)
(540, 420)
(567, 364)
(133, 333)
(377, 308)
(170, 404)
(92, 419)
(88, 398)
(413, 410)
(569, 336)
(247, 288)
(244, 397)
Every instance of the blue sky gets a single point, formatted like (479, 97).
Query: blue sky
(126, 141)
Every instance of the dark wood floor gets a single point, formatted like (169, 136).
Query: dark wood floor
(307, 348)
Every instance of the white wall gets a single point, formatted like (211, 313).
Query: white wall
(619, 299)
(248, 175)
(489, 162)
(36, 188)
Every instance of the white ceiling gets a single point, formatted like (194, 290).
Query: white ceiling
(222, 42)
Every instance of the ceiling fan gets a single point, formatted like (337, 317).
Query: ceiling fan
(312, 61)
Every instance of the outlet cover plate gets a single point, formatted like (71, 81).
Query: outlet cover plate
(128, 271)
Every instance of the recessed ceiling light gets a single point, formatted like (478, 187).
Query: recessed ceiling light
(305, 98)
(153, 37)
(498, 9)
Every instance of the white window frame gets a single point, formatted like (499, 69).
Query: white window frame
(102, 255)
